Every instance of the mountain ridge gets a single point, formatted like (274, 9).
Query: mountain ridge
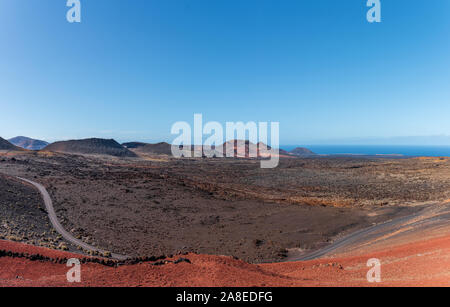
(5, 145)
(91, 146)
(28, 143)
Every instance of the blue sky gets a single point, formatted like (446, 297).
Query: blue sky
(131, 69)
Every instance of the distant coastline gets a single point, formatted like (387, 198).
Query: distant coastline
(376, 150)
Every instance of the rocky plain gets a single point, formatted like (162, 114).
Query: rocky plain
(155, 205)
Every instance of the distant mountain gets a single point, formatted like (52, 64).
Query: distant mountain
(239, 148)
(5, 145)
(132, 145)
(91, 146)
(301, 151)
(159, 148)
(242, 149)
(236, 148)
(28, 143)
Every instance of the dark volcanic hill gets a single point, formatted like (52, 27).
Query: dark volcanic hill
(91, 146)
(301, 151)
(5, 145)
(28, 143)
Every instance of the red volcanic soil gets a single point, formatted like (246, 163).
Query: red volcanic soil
(420, 263)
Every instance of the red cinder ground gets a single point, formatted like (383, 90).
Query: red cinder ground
(421, 262)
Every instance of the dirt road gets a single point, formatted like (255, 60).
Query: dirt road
(59, 228)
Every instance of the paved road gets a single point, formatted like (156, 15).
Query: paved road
(433, 216)
(59, 228)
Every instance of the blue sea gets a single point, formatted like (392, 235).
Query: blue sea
(426, 151)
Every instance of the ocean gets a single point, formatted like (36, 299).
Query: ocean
(427, 151)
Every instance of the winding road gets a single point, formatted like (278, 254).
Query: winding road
(60, 229)
(434, 216)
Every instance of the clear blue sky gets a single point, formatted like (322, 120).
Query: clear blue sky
(133, 68)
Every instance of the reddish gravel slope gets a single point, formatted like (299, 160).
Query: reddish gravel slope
(418, 263)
